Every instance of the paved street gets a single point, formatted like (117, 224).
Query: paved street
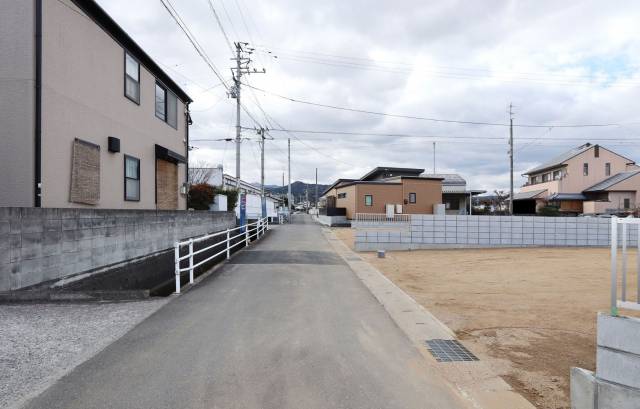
(286, 324)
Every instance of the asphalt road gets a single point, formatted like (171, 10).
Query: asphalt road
(286, 324)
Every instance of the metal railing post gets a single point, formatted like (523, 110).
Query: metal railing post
(246, 234)
(614, 266)
(267, 226)
(177, 266)
(228, 245)
(190, 261)
(624, 262)
(638, 265)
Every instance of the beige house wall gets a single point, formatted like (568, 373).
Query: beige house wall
(573, 179)
(348, 202)
(17, 102)
(551, 187)
(83, 97)
(631, 184)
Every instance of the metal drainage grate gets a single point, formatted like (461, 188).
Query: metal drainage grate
(449, 350)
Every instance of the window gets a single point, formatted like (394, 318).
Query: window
(368, 200)
(585, 169)
(161, 102)
(627, 203)
(131, 78)
(172, 109)
(534, 180)
(607, 169)
(596, 151)
(131, 178)
(545, 177)
(166, 106)
(412, 197)
(342, 195)
(556, 175)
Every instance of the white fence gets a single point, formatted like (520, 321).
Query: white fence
(381, 218)
(258, 230)
(627, 224)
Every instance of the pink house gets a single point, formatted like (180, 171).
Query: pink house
(588, 179)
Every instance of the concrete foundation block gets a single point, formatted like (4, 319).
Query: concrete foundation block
(612, 396)
(618, 366)
(621, 333)
(583, 389)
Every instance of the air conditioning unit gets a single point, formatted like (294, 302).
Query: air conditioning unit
(399, 209)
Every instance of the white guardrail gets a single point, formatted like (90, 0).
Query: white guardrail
(261, 225)
(382, 218)
(623, 302)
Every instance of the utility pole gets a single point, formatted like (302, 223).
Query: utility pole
(434, 158)
(511, 158)
(316, 197)
(242, 60)
(263, 200)
(289, 171)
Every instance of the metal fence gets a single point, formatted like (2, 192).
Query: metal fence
(627, 224)
(382, 218)
(251, 231)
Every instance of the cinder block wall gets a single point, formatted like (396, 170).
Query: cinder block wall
(38, 245)
(434, 231)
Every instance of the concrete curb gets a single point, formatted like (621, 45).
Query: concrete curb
(475, 381)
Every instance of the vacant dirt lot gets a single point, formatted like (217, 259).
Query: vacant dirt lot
(530, 312)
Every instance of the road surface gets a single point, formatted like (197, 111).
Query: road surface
(285, 324)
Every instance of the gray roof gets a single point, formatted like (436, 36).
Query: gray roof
(450, 179)
(560, 159)
(567, 196)
(611, 181)
(528, 195)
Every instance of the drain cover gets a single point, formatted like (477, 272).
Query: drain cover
(449, 350)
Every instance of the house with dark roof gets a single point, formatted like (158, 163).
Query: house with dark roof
(91, 120)
(587, 179)
(410, 190)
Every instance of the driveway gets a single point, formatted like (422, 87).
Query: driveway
(285, 324)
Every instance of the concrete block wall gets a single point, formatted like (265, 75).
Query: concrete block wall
(440, 231)
(616, 383)
(39, 245)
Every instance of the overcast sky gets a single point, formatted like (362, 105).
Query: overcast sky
(557, 62)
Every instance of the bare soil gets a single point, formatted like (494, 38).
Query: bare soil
(530, 312)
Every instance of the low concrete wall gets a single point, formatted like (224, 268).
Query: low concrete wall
(332, 220)
(435, 231)
(616, 383)
(39, 245)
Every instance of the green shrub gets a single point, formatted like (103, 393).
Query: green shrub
(549, 211)
(200, 196)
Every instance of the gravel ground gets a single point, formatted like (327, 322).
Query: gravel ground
(40, 343)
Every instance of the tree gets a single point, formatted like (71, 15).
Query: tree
(201, 196)
(501, 201)
(200, 173)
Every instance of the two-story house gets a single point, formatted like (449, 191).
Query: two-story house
(573, 181)
(87, 117)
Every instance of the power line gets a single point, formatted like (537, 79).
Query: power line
(193, 40)
(406, 135)
(364, 111)
(224, 33)
(439, 71)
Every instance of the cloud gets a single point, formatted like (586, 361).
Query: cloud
(557, 62)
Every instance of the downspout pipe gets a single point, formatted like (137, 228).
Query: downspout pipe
(37, 200)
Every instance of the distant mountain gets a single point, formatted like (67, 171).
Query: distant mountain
(298, 190)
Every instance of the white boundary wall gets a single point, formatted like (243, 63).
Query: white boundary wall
(435, 231)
